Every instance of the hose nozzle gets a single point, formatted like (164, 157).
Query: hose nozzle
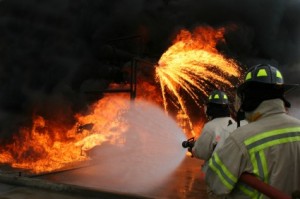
(188, 143)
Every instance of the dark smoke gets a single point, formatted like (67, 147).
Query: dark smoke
(51, 51)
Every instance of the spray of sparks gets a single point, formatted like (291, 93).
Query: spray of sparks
(193, 64)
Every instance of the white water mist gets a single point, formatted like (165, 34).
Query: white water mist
(151, 152)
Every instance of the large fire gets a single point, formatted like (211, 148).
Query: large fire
(46, 147)
(191, 64)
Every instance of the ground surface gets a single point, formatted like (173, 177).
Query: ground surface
(185, 183)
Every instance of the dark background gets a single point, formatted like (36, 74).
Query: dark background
(53, 51)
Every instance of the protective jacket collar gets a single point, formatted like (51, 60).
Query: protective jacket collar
(266, 108)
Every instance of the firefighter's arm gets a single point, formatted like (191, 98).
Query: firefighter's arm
(225, 167)
(203, 146)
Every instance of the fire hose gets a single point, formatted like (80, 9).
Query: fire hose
(253, 181)
(263, 187)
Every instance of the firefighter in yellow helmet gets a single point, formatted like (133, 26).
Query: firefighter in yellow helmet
(216, 130)
(268, 147)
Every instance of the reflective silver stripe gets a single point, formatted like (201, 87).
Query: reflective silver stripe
(259, 165)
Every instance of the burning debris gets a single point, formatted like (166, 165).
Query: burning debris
(83, 127)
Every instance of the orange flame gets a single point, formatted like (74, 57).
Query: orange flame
(46, 147)
(193, 64)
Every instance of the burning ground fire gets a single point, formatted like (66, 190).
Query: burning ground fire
(46, 147)
(191, 65)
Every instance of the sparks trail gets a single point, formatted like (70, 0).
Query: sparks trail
(193, 64)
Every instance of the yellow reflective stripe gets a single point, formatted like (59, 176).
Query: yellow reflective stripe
(228, 185)
(225, 97)
(262, 73)
(248, 76)
(270, 133)
(226, 177)
(248, 191)
(261, 196)
(216, 96)
(274, 142)
(227, 172)
(264, 166)
(256, 145)
(210, 97)
(254, 164)
(278, 74)
(259, 165)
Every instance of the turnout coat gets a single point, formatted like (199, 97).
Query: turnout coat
(268, 147)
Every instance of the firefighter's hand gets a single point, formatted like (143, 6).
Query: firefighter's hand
(191, 151)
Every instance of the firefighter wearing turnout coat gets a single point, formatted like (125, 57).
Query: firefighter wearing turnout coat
(268, 147)
(217, 129)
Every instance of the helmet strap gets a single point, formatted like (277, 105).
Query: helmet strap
(287, 104)
(240, 115)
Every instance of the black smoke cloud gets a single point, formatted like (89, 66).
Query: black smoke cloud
(51, 52)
